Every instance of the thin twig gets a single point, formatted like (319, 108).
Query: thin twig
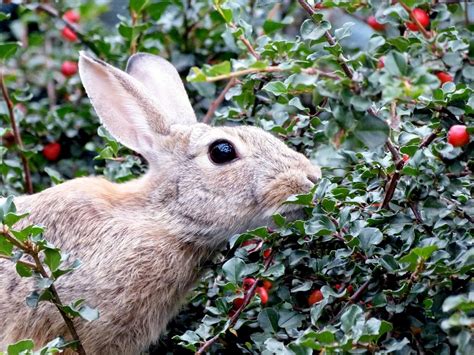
(51, 11)
(349, 73)
(416, 212)
(22, 262)
(353, 299)
(59, 305)
(33, 251)
(247, 298)
(390, 189)
(218, 101)
(17, 135)
(422, 29)
(270, 69)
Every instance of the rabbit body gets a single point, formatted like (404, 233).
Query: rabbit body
(142, 243)
(133, 270)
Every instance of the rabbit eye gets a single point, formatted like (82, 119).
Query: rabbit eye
(222, 152)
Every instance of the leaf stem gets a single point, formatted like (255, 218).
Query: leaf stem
(17, 135)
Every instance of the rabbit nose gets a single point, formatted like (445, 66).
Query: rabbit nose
(314, 174)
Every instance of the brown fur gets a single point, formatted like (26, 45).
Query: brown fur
(142, 243)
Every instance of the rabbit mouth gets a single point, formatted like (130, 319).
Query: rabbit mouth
(292, 212)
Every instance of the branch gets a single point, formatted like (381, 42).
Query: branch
(270, 69)
(51, 11)
(247, 298)
(57, 302)
(33, 251)
(425, 33)
(349, 73)
(330, 39)
(17, 135)
(217, 102)
(242, 38)
(414, 208)
(24, 263)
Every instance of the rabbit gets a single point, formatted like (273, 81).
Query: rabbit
(142, 243)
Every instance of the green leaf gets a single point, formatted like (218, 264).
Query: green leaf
(234, 269)
(8, 49)
(289, 319)
(88, 313)
(21, 347)
(369, 237)
(52, 258)
(372, 131)
(396, 64)
(219, 69)
(277, 88)
(268, 320)
(350, 316)
(23, 270)
(310, 31)
(138, 5)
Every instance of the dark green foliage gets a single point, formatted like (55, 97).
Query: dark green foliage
(388, 239)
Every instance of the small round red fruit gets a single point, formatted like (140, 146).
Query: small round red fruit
(350, 289)
(319, 6)
(337, 287)
(248, 283)
(405, 157)
(72, 16)
(444, 77)
(315, 297)
(8, 139)
(377, 26)
(458, 135)
(267, 285)
(51, 151)
(69, 68)
(421, 16)
(381, 63)
(263, 293)
(267, 252)
(69, 34)
(237, 303)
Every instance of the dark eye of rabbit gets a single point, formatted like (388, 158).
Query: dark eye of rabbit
(222, 152)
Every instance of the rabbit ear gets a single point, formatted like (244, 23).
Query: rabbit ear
(164, 83)
(123, 105)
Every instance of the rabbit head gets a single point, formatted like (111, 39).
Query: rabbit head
(206, 182)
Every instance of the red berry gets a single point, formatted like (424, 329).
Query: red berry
(458, 136)
(51, 151)
(237, 303)
(444, 77)
(337, 287)
(248, 283)
(350, 289)
(319, 6)
(263, 294)
(267, 285)
(69, 68)
(405, 157)
(69, 34)
(377, 26)
(381, 63)
(422, 18)
(71, 16)
(252, 242)
(8, 139)
(315, 297)
(267, 252)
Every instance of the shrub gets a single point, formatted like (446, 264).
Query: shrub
(384, 260)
